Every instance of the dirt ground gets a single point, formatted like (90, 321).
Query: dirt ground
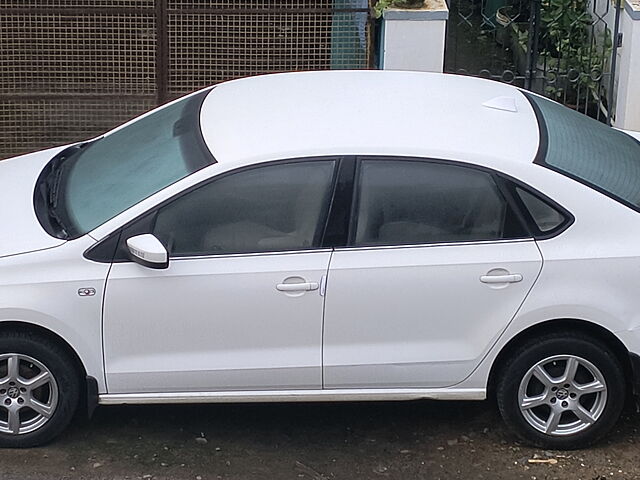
(414, 440)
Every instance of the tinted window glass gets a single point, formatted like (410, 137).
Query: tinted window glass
(412, 202)
(590, 151)
(271, 208)
(544, 215)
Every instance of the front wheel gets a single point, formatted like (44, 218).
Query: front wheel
(39, 389)
(562, 391)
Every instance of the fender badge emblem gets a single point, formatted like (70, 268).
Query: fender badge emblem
(87, 292)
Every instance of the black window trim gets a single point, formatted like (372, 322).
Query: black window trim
(510, 184)
(198, 137)
(505, 183)
(543, 148)
(111, 248)
(336, 229)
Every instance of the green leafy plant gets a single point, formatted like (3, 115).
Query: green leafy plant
(570, 45)
(382, 5)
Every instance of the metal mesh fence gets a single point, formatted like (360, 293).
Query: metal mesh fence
(245, 44)
(89, 53)
(48, 4)
(32, 124)
(252, 4)
(71, 69)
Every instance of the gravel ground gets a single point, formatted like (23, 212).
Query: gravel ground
(414, 440)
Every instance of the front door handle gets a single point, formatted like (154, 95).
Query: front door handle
(511, 278)
(297, 287)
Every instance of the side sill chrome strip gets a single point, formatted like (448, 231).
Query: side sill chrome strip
(358, 395)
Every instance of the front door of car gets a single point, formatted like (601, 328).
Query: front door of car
(438, 264)
(239, 307)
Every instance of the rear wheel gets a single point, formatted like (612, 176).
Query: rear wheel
(39, 389)
(562, 391)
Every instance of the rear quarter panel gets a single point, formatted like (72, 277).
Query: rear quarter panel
(590, 272)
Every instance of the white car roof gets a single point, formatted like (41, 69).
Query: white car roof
(307, 114)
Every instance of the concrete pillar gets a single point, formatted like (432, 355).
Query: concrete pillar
(413, 39)
(628, 69)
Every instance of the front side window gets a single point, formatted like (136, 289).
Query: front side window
(272, 208)
(582, 148)
(104, 178)
(414, 202)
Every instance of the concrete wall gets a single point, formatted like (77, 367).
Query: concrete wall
(628, 97)
(414, 39)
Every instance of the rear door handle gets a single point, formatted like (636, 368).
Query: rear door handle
(297, 287)
(511, 278)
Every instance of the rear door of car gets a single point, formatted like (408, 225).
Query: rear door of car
(438, 262)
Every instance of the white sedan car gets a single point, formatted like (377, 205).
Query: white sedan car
(327, 236)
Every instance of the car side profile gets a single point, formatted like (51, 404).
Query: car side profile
(327, 236)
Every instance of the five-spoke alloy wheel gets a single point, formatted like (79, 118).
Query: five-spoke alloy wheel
(561, 391)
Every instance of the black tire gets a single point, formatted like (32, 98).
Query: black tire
(64, 371)
(559, 344)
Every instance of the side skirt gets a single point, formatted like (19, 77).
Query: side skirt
(352, 395)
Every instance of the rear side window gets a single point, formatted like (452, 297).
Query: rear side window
(415, 202)
(546, 217)
(588, 151)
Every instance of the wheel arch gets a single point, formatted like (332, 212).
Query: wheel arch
(12, 325)
(559, 325)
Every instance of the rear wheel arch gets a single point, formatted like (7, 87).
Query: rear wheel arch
(570, 326)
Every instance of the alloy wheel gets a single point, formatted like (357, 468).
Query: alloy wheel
(562, 395)
(28, 394)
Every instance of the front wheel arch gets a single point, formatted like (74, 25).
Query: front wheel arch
(568, 326)
(16, 326)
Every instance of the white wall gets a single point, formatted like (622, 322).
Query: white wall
(414, 39)
(628, 70)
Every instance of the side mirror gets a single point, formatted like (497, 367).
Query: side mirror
(148, 251)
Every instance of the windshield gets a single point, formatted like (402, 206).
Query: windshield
(588, 151)
(88, 185)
